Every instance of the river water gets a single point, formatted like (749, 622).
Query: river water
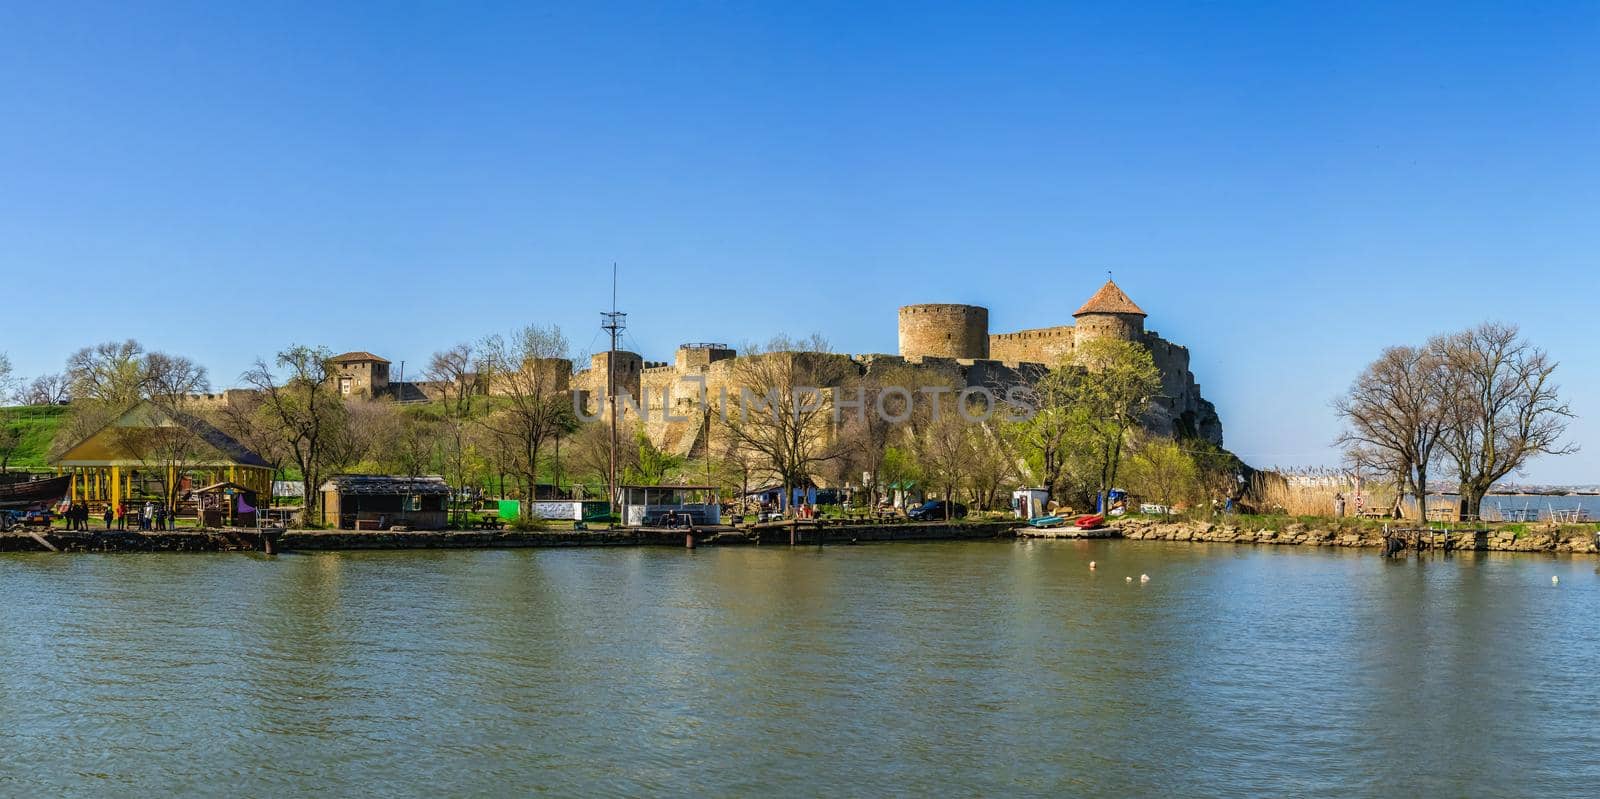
(1003, 668)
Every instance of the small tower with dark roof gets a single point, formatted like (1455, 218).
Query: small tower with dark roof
(1109, 314)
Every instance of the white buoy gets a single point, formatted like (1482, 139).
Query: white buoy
(1144, 578)
(1554, 580)
(1129, 579)
(1091, 565)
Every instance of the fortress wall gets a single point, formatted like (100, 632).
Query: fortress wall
(1047, 345)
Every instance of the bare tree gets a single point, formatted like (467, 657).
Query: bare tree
(169, 450)
(110, 373)
(305, 409)
(1394, 416)
(1501, 405)
(246, 418)
(8, 380)
(994, 468)
(944, 452)
(534, 405)
(457, 372)
(589, 456)
(865, 433)
(47, 389)
(104, 380)
(780, 415)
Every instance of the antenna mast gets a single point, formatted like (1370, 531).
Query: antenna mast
(613, 322)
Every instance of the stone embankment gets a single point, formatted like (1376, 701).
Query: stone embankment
(232, 540)
(1307, 535)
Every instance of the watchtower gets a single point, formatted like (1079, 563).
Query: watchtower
(944, 331)
(1109, 314)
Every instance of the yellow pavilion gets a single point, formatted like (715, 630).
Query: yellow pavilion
(172, 444)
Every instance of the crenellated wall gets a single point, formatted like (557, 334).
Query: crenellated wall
(1046, 345)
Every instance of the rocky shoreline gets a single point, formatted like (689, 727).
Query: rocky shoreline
(1298, 534)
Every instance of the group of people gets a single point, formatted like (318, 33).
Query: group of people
(149, 517)
(77, 516)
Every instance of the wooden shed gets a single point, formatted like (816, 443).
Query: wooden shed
(378, 502)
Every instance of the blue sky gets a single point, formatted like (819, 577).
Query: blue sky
(1285, 189)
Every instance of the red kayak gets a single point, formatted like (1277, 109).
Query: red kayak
(1090, 521)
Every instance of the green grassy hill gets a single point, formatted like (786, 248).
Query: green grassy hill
(37, 425)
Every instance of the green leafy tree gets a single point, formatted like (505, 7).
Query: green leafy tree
(1114, 390)
(653, 466)
(1161, 471)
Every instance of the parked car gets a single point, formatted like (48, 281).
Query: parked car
(933, 510)
(38, 517)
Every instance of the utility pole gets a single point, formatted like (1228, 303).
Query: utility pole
(614, 323)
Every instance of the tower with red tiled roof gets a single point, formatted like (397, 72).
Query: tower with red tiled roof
(1110, 313)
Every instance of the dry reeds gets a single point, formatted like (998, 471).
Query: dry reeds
(1315, 493)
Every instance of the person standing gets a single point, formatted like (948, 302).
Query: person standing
(1338, 505)
(109, 515)
(146, 515)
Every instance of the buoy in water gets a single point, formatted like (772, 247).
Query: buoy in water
(1091, 565)
(1554, 580)
(1144, 578)
(1129, 579)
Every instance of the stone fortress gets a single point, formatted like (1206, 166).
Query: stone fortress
(952, 339)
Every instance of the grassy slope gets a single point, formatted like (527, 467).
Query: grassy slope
(38, 424)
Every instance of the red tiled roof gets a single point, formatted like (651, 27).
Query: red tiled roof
(1110, 299)
(358, 355)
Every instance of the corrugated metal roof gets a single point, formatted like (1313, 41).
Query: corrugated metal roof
(385, 484)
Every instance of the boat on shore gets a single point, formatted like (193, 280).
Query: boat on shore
(34, 492)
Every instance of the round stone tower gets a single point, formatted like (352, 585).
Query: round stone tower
(944, 331)
(1109, 314)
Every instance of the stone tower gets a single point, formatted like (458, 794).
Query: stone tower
(1109, 314)
(944, 331)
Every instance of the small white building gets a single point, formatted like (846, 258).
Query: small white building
(655, 506)
(1029, 503)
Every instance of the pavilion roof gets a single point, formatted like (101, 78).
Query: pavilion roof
(108, 447)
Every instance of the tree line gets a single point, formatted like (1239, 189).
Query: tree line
(499, 420)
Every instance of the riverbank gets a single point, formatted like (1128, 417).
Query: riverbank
(243, 540)
(1574, 540)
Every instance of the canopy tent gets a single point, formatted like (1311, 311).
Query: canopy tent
(170, 443)
(226, 503)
